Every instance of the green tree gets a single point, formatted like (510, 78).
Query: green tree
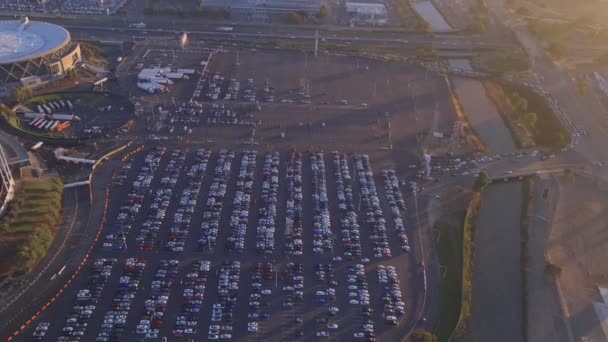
(556, 49)
(478, 25)
(523, 11)
(423, 27)
(296, 18)
(602, 59)
(420, 335)
(582, 85)
(323, 12)
(519, 103)
(531, 118)
(22, 94)
(482, 180)
(5, 111)
(427, 54)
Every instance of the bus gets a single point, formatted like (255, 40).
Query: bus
(40, 124)
(63, 126)
(35, 121)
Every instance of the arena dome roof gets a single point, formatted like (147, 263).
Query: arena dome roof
(22, 40)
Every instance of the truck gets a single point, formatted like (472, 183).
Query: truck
(139, 25)
(174, 75)
(186, 71)
(35, 122)
(62, 126)
(160, 80)
(151, 87)
(65, 117)
(33, 115)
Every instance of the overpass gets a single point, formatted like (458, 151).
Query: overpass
(530, 173)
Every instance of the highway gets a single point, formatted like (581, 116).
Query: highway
(118, 29)
(111, 33)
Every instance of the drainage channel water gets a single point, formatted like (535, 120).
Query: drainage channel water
(431, 15)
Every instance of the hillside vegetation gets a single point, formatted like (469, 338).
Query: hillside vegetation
(29, 225)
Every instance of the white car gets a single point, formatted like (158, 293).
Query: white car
(358, 335)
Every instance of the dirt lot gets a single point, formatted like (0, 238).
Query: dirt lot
(348, 102)
(576, 243)
(545, 319)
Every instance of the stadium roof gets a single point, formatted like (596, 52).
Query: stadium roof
(22, 40)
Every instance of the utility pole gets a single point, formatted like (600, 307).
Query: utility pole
(316, 43)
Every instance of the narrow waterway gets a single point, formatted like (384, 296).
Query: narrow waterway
(431, 15)
(496, 312)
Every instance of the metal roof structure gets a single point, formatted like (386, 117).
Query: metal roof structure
(23, 40)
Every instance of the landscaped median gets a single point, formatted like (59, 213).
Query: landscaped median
(528, 116)
(455, 250)
(29, 225)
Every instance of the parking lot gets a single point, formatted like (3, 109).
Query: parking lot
(208, 244)
(285, 99)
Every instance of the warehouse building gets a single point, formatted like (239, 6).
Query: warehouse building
(263, 8)
(371, 13)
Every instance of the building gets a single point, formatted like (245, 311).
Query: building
(35, 48)
(263, 8)
(372, 13)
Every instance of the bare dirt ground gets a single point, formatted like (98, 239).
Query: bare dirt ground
(545, 318)
(577, 243)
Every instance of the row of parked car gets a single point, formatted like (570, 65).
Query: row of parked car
(359, 295)
(324, 295)
(222, 114)
(293, 281)
(259, 299)
(268, 204)
(240, 205)
(86, 301)
(41, 330)
(392, 298)
(397, 204)
(228, 288)
(215, 86)
(114, 321)
(155, 305)
(188, 202)
(188, 113)
(322, 234)
(351, 236)
(140, 188)
(215, 200)
(233, 90)
(195, 283)
(249, 93)
(294, 211)
(148, 235)
(373, 210)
